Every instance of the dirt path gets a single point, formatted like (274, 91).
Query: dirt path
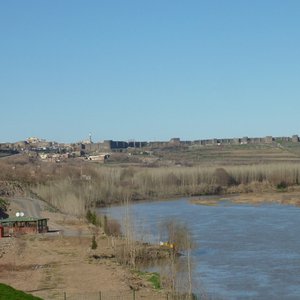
(58, 222)
(30, 206)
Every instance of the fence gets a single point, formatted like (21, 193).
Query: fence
(131, 295)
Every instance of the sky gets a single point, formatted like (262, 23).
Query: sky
(149, 70)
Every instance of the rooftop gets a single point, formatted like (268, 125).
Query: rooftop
(21, 219)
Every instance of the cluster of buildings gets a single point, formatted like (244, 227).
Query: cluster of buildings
(110, 145)
(99, 151)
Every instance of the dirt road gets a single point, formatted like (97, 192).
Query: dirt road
(30, 206)
(57, 222)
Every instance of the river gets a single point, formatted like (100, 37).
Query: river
(243, 251)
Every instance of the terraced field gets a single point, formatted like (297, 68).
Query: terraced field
(233, 154)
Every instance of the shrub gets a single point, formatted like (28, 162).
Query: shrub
(94, 243)
(3, 204)
(281, 186)
(3, 208)
(112, 228)
(91, 217)
(222, 178)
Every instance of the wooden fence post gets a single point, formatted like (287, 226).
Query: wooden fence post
(133, 295)
(65, 296)
(99, 295)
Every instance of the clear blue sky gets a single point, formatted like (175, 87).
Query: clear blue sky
(149, 70)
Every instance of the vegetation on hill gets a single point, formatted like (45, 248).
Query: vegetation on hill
(111, 185)
(77, 185)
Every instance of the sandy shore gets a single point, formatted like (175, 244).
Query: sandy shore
(285, 197)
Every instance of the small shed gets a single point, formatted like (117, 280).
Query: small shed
(21, 225)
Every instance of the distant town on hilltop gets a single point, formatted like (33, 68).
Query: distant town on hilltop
(47, 150)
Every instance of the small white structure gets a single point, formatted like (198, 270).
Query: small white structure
(99, 157)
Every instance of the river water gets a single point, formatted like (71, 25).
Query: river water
(243, 251)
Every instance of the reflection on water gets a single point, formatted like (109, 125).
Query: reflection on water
(244, 251)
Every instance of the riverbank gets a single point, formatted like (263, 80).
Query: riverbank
(63, 262)
(289, 197)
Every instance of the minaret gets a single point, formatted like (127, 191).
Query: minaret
(90, 137)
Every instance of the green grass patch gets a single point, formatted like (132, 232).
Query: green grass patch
(155, 280)
(9, 293)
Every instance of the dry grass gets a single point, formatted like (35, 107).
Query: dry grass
(290, 197)
(110, 184)
(75, 186)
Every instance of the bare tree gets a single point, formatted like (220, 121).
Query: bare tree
(179, 240)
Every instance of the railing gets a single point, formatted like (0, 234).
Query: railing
(129, 295)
